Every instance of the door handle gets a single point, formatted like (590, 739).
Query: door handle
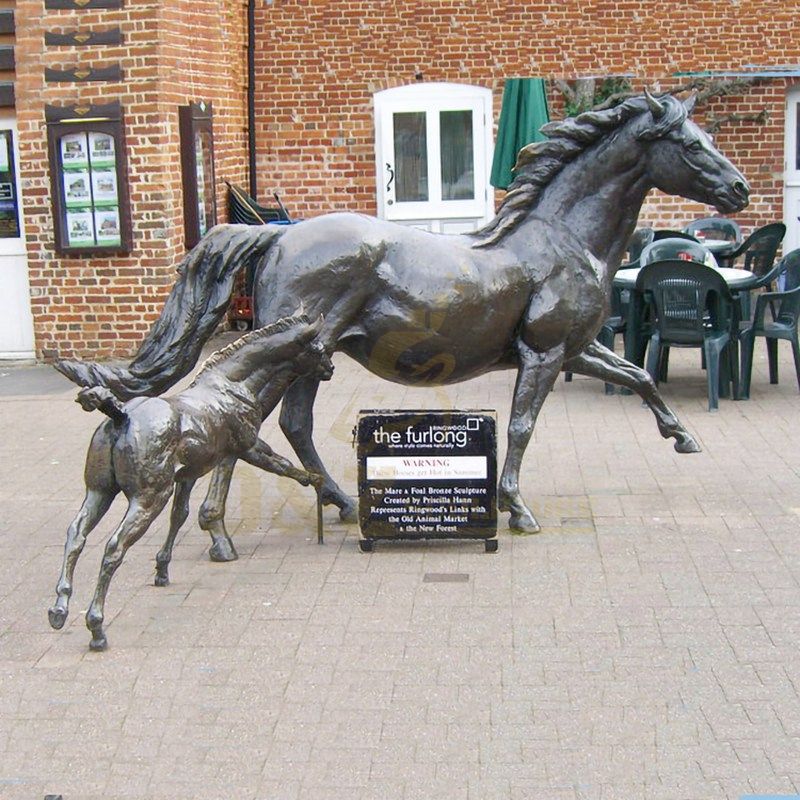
(391, 176)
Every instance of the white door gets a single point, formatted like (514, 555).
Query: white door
(791, 179)
(16, 321)
(433, 150)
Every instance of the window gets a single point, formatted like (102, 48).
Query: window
(197, 165)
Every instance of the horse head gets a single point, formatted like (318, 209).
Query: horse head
(681, 159)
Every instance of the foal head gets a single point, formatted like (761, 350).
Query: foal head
(289, 347)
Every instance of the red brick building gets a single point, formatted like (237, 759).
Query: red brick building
(110, 185)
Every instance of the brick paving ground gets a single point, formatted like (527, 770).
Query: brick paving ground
(644, 645)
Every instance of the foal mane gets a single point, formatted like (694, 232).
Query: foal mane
(538, 163)
(279, 326)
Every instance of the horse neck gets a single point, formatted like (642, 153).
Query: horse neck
(598, 197)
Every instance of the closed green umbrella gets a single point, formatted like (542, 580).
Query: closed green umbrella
(524, 111)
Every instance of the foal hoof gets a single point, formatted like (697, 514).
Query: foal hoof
(222, 550)
(98, 643)
(57, 617)
(687, 445)
(161, 580)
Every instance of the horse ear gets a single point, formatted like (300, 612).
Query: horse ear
(689, 102)
(313, 329)
(657, 108)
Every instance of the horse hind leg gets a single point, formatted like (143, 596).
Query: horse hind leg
(141, 512)
(535, 378)
(94, 507)
(180, 511)
(297, 423)
(212, 512)
(597, 361)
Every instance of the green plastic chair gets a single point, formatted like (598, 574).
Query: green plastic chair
(640, 238)
(719, 228)
(693, 308)
(665, 233)
(674, 248)
(758, 249)
(783, 323)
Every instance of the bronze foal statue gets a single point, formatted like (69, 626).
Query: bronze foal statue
(150, 446)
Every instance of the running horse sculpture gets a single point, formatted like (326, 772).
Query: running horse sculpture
(529, 291)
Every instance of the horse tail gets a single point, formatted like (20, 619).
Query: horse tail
(194, 308)
(99, 398)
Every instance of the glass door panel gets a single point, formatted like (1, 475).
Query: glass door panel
(457, 155)
(410, 157)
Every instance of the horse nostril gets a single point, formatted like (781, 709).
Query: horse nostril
(741, 189)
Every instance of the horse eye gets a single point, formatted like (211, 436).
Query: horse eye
(694, 146)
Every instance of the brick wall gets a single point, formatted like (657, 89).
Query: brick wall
(320, 62)
(172, 53)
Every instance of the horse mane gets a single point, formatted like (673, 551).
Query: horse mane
(538, 163)
(279, 326)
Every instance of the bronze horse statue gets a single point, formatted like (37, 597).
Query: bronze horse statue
(150, 446)
(528, 292)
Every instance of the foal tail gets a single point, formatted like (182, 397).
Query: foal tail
(98, 397)
(193, 310)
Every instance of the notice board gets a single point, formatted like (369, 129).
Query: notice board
(427, 475)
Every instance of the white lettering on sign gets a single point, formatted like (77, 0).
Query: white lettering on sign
(412, 468)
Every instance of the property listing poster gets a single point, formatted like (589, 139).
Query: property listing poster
(90, 190)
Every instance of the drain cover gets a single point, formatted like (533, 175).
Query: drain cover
(445, 577)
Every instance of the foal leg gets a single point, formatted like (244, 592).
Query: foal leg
(212, 512)
(297, 424)
(535, 378)
(261, 455)
(101, 489)
(94, 507)
(142, 510)
(597, 361)
(180, 510)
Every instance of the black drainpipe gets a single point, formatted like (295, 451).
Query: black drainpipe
(251, 95)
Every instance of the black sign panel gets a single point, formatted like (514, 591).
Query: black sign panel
(427, 474)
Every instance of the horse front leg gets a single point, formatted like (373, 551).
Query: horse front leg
(297, 424)
(180, 511)
(535, 378)
(597, 361)
(212, 512)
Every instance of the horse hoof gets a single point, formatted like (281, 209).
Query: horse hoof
(523, 524)
(57, 617)
(222, 550)
(98, 643)
(687, 445)
(161, 580)
(349, 513)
